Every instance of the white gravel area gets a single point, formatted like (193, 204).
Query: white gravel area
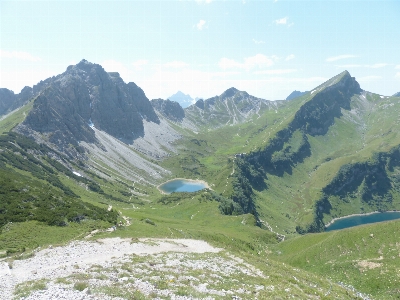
(60, 262)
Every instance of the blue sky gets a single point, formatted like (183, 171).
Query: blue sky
(267, 47)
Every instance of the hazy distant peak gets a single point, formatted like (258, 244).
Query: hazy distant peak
(184, 100)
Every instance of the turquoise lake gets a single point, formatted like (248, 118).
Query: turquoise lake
(182, 185)
(360, 220)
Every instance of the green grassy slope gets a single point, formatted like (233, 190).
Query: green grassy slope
(366, 257)
(307, 142)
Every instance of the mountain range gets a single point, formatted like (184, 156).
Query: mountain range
(86, 141)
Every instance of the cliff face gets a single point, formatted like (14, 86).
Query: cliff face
(85, 96)
(169, 109)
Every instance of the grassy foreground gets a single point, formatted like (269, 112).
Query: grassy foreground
(366, 257)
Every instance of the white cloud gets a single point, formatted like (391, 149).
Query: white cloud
(19, 55)
(139, 64)
(16, 79)
(374, 66)
(226, 63)
(282, 21)
(276, 71)
(368, 78)
(201, 24)
(397, 67)
(349, 66)
(397, 75)
(258, 42)
(339, 57)
(204, 1)
(175, 64)
(257, 61)
(289, 57)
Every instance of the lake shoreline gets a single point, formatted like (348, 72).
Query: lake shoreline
(355, 215)
(206, 186)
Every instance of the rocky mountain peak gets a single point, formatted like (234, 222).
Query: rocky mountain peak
(86, 95)
(229, 92)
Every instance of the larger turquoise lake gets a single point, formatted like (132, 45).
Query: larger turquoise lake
(182, 185)
(362, 219)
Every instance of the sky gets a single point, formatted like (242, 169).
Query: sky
(203, 47)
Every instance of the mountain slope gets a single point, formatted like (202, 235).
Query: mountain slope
(305, 164)
(231, 107)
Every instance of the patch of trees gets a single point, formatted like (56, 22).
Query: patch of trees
(23, 198)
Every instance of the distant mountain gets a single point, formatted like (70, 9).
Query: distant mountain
(396, 95)
(231, 107)
(295, 94)
(184, 100)
(10, 101)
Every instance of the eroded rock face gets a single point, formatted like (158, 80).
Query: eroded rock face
(169, 109)
(85, 96)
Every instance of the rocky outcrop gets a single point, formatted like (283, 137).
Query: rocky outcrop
(85, 96)
(396, 95)
(169, 109)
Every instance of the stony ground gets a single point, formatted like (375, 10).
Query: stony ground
(117, 268)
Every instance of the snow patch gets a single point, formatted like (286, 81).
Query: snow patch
(313, 92)
(77, 174)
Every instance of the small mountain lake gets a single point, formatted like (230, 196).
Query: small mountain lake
(356, 220)
(182, 185)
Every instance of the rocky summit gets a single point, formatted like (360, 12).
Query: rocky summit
(86, 96)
